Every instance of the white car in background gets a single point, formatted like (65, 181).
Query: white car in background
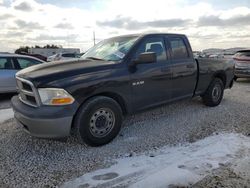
(242, 64)
(216, 56)
(64, 56)
(10, 64)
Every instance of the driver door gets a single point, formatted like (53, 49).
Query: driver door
(151, 83)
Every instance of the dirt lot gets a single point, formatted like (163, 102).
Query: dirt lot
(32, 162)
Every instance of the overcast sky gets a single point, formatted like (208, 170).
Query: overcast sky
(212, 23)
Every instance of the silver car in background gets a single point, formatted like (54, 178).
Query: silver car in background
(242, 64)
(10, 64)
(64, 56)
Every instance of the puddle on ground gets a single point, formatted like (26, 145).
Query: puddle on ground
(107, 176)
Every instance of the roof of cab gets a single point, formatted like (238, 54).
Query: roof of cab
(149, 34)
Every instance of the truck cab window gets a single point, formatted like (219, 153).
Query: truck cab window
(155, 44)
(179, 49)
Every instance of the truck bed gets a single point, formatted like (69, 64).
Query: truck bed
(208, 68)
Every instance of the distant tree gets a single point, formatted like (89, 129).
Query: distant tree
(52, 46)
(25, 49)
(22, 49)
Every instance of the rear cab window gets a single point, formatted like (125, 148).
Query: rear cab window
(179, 48)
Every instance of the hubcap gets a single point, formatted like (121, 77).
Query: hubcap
(216, 93)
(102, 122)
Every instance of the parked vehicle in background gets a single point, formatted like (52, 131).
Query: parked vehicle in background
(10, 64)
(50, 50)
(118, 76)
(4, 53)
(216, 56)
(64, 56)
(242, 64)
(38, 56)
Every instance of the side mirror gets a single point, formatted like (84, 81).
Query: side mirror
(145, 58)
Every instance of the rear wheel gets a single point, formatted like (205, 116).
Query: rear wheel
(214, 93)
(98, 121)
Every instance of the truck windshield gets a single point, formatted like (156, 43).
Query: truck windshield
(113, 49)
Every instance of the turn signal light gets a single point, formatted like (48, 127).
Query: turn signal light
(62, 101)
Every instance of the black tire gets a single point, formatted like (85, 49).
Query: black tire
(98, 121)
(214, 93)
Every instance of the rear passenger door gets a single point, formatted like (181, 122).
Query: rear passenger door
(7, 75)
(183, 67)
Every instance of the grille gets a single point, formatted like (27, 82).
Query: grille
(27, 92)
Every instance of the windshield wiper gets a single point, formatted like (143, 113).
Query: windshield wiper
(95, 58)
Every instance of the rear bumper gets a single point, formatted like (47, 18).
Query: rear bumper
(44, 121)
(242, 73)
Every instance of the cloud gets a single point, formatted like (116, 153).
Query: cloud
(244, 36)
(24, 6)
(44, 37)
(239, 20)
(64, 26)
(42, 21)
(129, 23)
(204, 36)
(6, 16)
(28, 25)
(13, 34)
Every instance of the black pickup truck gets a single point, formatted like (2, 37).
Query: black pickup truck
(118, 76)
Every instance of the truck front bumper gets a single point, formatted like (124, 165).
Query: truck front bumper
(44, 121)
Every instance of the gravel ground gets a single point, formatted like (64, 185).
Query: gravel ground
(227, 176)
(32, 162)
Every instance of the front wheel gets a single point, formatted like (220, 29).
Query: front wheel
(214, 93)
(98, 121)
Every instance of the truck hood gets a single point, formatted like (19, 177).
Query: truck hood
(52, 71)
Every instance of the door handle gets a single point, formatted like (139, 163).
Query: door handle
(190, 66)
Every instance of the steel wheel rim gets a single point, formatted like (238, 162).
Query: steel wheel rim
(216, 93)
(102, 122)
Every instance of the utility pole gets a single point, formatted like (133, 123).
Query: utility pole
(67, 39)
(94, 37)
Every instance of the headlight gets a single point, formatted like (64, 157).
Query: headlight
(54, 96)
